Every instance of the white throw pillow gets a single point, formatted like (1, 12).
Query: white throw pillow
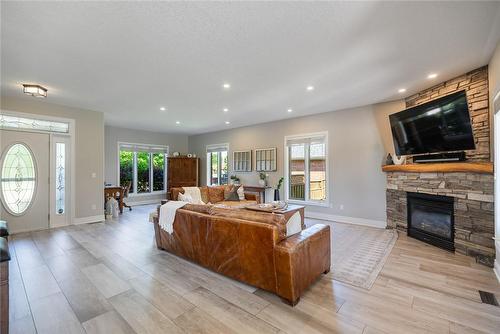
(293, 225)
(185, 198)
(241, 193)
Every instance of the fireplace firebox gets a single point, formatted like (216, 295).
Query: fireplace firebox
(431, 219)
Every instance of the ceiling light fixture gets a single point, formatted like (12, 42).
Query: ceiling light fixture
(227, 122)
(35, 90)
(226, 86)
(432, 76)
(401, 90)
(163, 108)
(310, 88)
(225, 110)
(177, 122)
(289, 110)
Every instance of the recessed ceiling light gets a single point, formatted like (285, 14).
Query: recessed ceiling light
(177, 122)
(432, 76)
(225, 110)
(35, 90)
(163, 108)
(289, 110)
(227, 122)
(310, 88)
(401, 90)
(226, 86)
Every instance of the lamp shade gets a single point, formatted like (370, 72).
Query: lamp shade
(35, 90)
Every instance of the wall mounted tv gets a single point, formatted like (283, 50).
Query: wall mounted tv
(441, 125)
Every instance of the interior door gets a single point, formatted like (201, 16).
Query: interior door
(24, 180)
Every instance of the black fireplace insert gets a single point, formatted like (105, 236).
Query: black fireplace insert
(431, 219)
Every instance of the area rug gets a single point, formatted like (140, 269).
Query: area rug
(359, 253)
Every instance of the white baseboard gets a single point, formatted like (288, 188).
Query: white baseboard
(496, 267)
(496, 270)
(347, 220)
(148, 201)
(88, 220)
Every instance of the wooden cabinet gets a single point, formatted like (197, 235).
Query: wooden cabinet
(182, 172)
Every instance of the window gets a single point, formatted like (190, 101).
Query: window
(217, 164)
(15, 122)
(18, 179)
(60, 177)
(143, 167)
(306, 162)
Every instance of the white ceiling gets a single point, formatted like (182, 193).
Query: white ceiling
(129, 59)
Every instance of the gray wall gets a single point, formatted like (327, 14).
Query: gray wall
(113, 135)
(89, 150)
(356, 152)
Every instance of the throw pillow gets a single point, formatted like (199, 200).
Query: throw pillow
(241, 193)
(231, 193)
(185, 198)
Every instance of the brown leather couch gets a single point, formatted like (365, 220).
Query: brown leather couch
(215, 195)
(249, 246)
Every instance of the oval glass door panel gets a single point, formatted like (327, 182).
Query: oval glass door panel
(18, 179)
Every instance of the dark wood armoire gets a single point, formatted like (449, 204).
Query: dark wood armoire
(182, 172)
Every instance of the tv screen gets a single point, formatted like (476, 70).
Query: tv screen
(437, 126)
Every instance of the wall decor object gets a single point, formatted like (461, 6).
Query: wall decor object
(265, 159)
(189, 155)
(176, 154)
(242, 161)
(399, 160)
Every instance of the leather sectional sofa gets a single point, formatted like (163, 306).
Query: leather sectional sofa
(249, 246)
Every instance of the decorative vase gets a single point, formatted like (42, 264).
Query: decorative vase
(276, 194)
(262, 183)
(398, 160)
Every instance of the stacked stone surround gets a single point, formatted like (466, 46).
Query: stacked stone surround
(473, 207)
(475, 84)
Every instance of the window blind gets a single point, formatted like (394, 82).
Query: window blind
(313, 139)
(217, 148)
(128, 147)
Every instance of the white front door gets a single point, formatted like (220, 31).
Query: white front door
(24, 180)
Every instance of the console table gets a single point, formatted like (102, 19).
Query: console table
(261, 191)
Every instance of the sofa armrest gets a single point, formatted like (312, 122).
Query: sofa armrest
(252, 197)
(300, 259)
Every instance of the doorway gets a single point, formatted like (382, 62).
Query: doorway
(35, 173)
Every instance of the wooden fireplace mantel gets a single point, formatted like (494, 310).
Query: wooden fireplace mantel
(448, 167)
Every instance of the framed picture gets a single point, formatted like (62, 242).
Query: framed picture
(242, 161)
(265, 159)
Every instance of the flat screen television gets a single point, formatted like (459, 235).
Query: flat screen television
(441, 125)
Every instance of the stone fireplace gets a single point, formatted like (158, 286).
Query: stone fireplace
(471, 191)
(469, 185)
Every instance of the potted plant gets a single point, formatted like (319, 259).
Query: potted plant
(277, 189)
(263, 179)
(235, 179)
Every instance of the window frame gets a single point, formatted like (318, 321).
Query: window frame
(219, 167)
(145, 148)
(286, 170)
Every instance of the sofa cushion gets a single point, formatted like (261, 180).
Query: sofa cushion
(198, 208)
(231, 193)
(204, 194)
(260, 217)
(215, 194)
(184, 198)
